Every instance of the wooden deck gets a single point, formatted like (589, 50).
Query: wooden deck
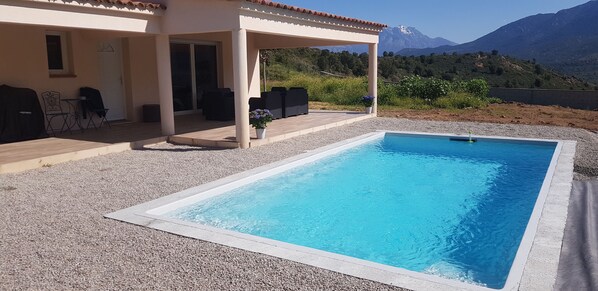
(278, 130)
(190, 129)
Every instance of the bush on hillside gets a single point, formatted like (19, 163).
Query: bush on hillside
(459, 100)
(416, 86)
(386, 93)
(477, 87)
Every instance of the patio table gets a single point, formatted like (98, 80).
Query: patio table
(77, 110)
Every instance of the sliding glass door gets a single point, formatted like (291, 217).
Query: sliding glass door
(206, 70)
(182, 83)
(194, 71)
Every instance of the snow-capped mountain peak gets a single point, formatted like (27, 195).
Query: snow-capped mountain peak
(405, 30)
(394, 39)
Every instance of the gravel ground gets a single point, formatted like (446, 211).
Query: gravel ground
(53, 234)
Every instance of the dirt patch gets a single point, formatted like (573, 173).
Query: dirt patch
(513, 113)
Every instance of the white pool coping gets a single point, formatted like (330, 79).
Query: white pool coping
(534, 268)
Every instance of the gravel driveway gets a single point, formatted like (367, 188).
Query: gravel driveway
(53, 234)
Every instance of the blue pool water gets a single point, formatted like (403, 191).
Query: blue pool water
(426, 204)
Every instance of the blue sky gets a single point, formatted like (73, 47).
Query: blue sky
(457, 20)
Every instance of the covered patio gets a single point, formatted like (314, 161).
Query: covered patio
(136, 53)
(251, 26)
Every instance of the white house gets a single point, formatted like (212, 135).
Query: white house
(133, 50)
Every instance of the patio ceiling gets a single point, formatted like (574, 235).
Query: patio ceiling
(277, 41)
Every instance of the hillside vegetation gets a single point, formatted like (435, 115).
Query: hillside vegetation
(566, 41)
(496, 69)
(435, 81)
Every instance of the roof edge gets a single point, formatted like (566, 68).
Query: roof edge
(131, 3)
(316, 13)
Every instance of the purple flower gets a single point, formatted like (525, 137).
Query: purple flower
(259, 118)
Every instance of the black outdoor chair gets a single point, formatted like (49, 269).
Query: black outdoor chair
(268, 100)
(53, 110)
(219, 104)
(281, 90)
(92, 100)
(296, 102)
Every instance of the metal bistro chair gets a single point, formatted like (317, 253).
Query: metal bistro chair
(53, 109)
(94, 104)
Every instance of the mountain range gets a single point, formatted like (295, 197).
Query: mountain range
(394, 39)
(566, 41)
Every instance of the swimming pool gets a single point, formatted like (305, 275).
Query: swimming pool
(422, 203)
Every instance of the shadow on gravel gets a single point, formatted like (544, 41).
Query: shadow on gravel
(183, 150)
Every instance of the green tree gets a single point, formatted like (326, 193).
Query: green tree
(500, 71)
(538, 83)
(492, 69)
(538, 69)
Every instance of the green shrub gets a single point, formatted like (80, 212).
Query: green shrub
(494, 100)
(341, 91)
(477, 87)
(410, 86)
(458, 86)
(278, 72)
(416, 86)
(386, 93)
(298, 80)
(435, 88)
(459, 101)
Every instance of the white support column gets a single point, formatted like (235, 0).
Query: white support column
(241, 86)
(373, 74)
(165, 84)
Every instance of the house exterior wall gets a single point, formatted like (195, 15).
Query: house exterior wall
(24, 60)
(24, 52)
(253, 67)
(192, 16)
(141, 78)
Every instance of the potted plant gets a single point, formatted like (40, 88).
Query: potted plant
(367, 101)
(259, 119)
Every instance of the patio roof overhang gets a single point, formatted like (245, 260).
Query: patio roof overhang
(84, 14)
(268, 18)
(297, 27)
